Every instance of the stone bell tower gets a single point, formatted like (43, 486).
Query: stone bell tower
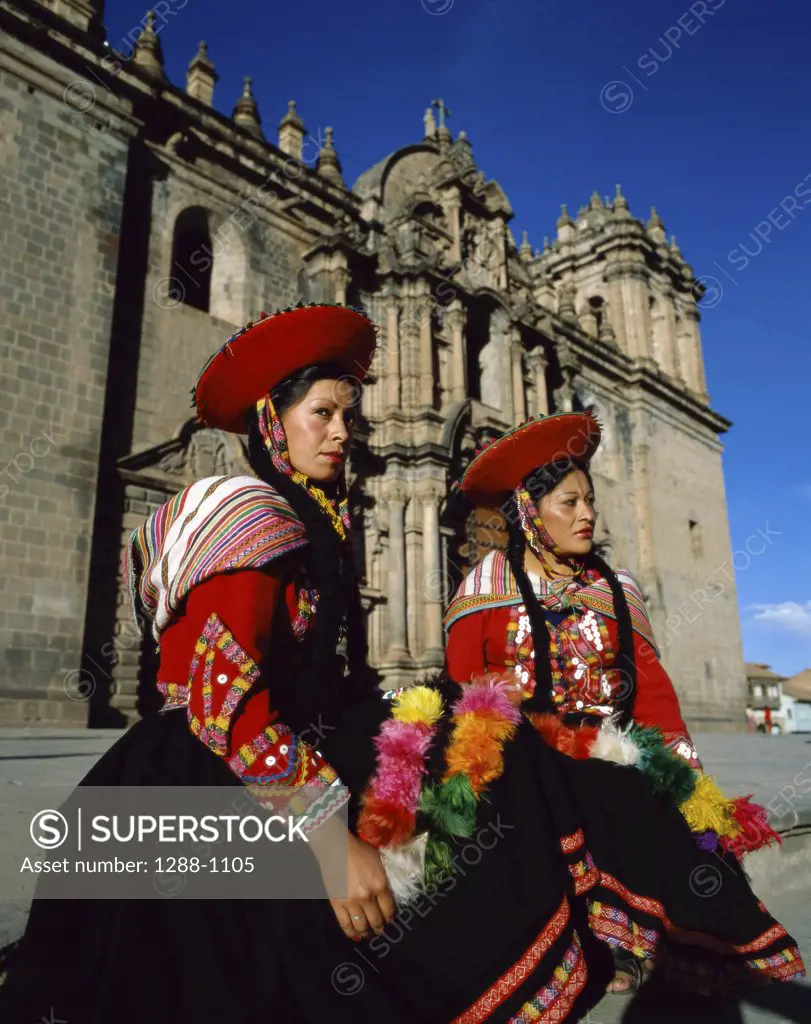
(624, 285)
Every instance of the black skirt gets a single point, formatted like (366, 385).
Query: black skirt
(568, 858)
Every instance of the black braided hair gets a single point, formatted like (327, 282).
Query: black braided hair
(320, 687)
(540, 483)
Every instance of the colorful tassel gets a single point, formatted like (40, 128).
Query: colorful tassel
(755, 830)
(708, 810)
(389, 805)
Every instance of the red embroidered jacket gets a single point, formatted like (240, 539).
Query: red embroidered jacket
(477, 644)
(209, 663)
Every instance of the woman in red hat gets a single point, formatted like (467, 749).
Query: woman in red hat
(249, 587)
(574, 637)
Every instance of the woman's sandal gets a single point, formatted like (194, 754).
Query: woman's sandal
(635, 970)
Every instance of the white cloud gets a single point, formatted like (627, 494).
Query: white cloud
(791, 616)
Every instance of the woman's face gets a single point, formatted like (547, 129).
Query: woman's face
(569, 515)
(319, 429)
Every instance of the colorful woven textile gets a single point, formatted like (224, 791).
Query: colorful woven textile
(492, 585)
(216, 525)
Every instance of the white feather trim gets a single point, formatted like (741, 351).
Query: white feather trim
(612, 744)
(405, 869)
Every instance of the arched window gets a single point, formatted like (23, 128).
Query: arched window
(192, 258)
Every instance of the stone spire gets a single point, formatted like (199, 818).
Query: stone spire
(525, 252)
(291, 132)
(565, 225)
(656, 227)
(596, 203)
(675, 251)
(620, 204)
(148, 53)
(430, 124)
(327, 163)
(201, 77)
(246, 112)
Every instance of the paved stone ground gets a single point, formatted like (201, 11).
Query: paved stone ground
(777, 770)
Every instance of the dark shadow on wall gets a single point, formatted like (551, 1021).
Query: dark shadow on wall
(128, 310)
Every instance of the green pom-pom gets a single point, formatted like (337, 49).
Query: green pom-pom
(670, 775)
(647, 738)
(451, 806)
(438, 861)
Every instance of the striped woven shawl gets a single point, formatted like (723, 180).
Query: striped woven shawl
(492, 585)
(216, 525)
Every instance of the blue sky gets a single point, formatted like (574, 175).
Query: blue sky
(700, 109)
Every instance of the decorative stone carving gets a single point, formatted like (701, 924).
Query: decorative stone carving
(210, 452)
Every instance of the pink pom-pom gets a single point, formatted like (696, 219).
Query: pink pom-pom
(406, 741)
(402, 748)
(493, 695)
(400, 783)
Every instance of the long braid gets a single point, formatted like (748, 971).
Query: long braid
(320, 688)
(626, 662)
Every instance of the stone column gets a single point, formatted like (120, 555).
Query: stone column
(392, 361)
(456, 319)
(340, 281)
(518, 393)
(432, 655)
(452, 203)
(644, 530)
(425, 304)
(694, 359)
(671, 343)
(398, 643)
(538, 362)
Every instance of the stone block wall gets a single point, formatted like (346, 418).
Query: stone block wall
(60, 211)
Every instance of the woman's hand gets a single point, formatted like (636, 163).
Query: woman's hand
(369, 904)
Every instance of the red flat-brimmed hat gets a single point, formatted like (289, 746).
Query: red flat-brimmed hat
(263, 354)
(497, 470)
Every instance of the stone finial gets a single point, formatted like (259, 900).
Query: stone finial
(546, 246)
(525, 252)
(675, 251)
(246, 111)
(201, 77)
(327, 163)
(595, 203)
(148, 52)
(620, 203)
(656, 227)
(429, 121)
(291, 132)
(565, 225)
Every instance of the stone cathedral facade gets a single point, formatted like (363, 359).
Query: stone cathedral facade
(140, 227)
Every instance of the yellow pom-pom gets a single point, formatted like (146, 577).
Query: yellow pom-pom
(708, 810)
(418, 704)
